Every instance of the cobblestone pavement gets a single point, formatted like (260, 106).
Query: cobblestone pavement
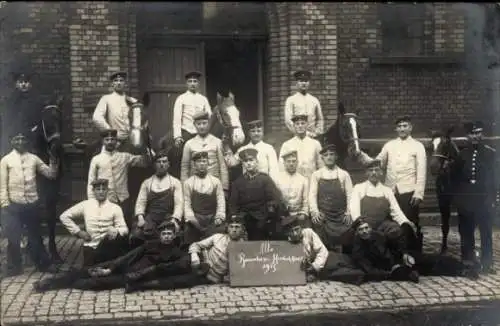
(21, 304)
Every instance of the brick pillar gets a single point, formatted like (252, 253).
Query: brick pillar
(94, 53)
(301, 36)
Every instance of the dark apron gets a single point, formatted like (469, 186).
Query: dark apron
(332, 203)
(159, 206)
(204, 208)
(375, 209)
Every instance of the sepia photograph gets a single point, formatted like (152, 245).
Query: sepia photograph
(249, 163)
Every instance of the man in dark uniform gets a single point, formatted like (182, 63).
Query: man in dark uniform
(162, 256)
(255, 196)
(476, 184)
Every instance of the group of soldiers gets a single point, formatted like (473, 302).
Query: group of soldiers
(178, 232)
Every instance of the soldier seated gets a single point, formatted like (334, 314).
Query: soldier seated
(204, 202)
(256, 197)
(160, 257)
(105, 235)
(378, 203)
(159, 200)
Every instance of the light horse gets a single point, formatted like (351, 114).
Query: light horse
(344, 134)
(48, 145)
(444, 154)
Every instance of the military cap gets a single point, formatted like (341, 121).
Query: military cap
(22, 69)
(289, 221)
(167, 225)
(109, 133)
(298, 117)
(248, 153)
(199, 155)
(160, 154)
(328, 148)
(224, 91)
(374, 164)
(137, 105)
(254, 124)
(302, 75)
(193, 74)
(17, 134)
(116, 74)
(100, 182)
(288, 153)
(404, 118)
(236, 219)
(358, 222)
(202, 115)
(476, 126)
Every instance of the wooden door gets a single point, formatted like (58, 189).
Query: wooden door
(162, 66)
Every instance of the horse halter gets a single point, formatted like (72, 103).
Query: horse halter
(48, 139)
(352, 123)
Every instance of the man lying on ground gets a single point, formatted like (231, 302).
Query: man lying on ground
(372, 254)
(161, 257)
(211, 268)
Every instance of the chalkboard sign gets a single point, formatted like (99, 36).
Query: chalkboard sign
(258, 263)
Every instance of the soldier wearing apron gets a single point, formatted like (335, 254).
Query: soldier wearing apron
(378, 205)
(159, 200)
(304, 103)
(186, 106)
(329, 192)
(204, 202)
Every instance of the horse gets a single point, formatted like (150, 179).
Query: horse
(224, 124)
(344, 133)
(444, 153)
(48, 144)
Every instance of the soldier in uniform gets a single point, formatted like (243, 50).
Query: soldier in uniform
(303, 102)
(186, 106)
(112, 111)
(476, 192)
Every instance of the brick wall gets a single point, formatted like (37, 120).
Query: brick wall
(301, 36)
(38, 31)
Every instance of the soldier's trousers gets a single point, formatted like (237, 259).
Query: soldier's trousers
(475, 211)
(106, 250)
(412, 213)
(15, 217)
(175, 155)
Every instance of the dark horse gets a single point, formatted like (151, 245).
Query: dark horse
(48, 144)
(344, 134)
(444, 153)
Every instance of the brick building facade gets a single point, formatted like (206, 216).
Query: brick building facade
(353, 49)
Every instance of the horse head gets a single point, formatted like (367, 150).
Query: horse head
(344, 133)
(51, 125)
(444, 152)
(226, 122)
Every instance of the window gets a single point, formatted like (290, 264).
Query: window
(403, 29)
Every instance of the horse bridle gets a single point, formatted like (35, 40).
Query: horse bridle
(48, 139)
(341, 129)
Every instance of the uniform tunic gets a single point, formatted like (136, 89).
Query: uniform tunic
(299, 104)
(314, 249)
(295, 191)
(476, 182)
(406, 165)
(186, 106)
(98, 218)
(216, 248)
(307, 152)
(377, 202)
(266, 157)
(112, 112)
(114, 167)
(169, 189)
(216, 163)
(329, 192)
(18, 177)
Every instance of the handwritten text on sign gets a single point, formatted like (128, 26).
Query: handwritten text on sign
(253, 263)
